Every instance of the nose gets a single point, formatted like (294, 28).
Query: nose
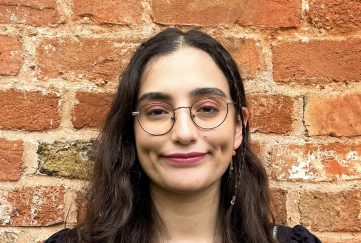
(184, 130)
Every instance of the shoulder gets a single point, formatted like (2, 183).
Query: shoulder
(294, 235)
(58, 237)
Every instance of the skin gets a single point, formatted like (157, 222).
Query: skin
(186, 196)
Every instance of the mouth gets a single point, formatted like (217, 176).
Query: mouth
(185, 158)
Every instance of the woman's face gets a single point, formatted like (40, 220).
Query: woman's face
(187, 159)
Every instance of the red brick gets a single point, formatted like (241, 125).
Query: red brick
(32, 206)
(316, 162)
(284, 13)
(122, 12)
(340, 240)
(335, 15)
(91, 109)
(200, 12)
(270, 113)
(257, 148)
(247, 56)
(98, 60)
(11, 153)
(278, 205)
(317, 61)
(270, 13)
(333, 115)
(337, 211)
(10, 55)
(28, 110)
(30, 12)
(81, 206)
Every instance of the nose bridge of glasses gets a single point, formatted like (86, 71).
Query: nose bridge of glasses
(184, 107)
(183, 123)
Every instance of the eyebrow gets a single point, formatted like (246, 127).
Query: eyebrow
(208, 91)
(154, 96)
(193, 93)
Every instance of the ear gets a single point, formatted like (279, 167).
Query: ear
(238, 132)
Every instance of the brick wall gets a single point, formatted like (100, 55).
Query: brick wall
(59, 63)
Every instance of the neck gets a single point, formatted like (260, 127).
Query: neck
(187, 217)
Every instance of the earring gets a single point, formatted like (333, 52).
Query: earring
(233, 201)
(238, 177)
(230, 169)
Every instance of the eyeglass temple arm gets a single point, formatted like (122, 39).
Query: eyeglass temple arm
(135, 113)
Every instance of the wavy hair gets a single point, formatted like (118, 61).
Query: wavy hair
(120, 209)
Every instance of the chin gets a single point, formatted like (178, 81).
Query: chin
(185, 191)
(187, 188)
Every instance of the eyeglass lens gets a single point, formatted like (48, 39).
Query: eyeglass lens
(158, 118)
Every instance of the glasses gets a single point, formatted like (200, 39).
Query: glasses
(159, 118)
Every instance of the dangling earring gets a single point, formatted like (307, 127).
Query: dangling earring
(238, 177)
(230, 169)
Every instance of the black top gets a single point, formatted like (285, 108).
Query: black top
(284, 234)
(297, 234)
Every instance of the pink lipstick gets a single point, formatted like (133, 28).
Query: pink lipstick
(185, 158)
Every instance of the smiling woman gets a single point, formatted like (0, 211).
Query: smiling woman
(174, 162)
(196, 145)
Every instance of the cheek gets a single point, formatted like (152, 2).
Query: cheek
(221, 139)
(144, 152)
(141, 143)
(147, 146)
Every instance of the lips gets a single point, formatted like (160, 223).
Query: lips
(185, 158)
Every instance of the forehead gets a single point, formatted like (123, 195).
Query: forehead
(180, 73)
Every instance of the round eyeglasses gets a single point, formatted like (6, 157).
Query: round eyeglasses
(158, 118)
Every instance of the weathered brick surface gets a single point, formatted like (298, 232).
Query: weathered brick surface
(108, 12)
(270, 13)
(28, 110)
(66, 159)
(246, 13)
(270, 113)
(333, 115)
(91, 109)
(246, 54)
(81, 206)
(317, 61)
(331, 211)
(32, 206)
(97, 60)
(11, 153)
(8, 236)
(30, 12)
(200, 12)
(256, 148)
(316, 162)
(278, 203)
(77, 45)
(340, 240)
(10, 55)
(335, 15)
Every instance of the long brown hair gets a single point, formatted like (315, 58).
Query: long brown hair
(120, 208)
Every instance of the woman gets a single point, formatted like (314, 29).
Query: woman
(174, 161)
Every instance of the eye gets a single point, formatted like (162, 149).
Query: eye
(157, 111)
(206, 108)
